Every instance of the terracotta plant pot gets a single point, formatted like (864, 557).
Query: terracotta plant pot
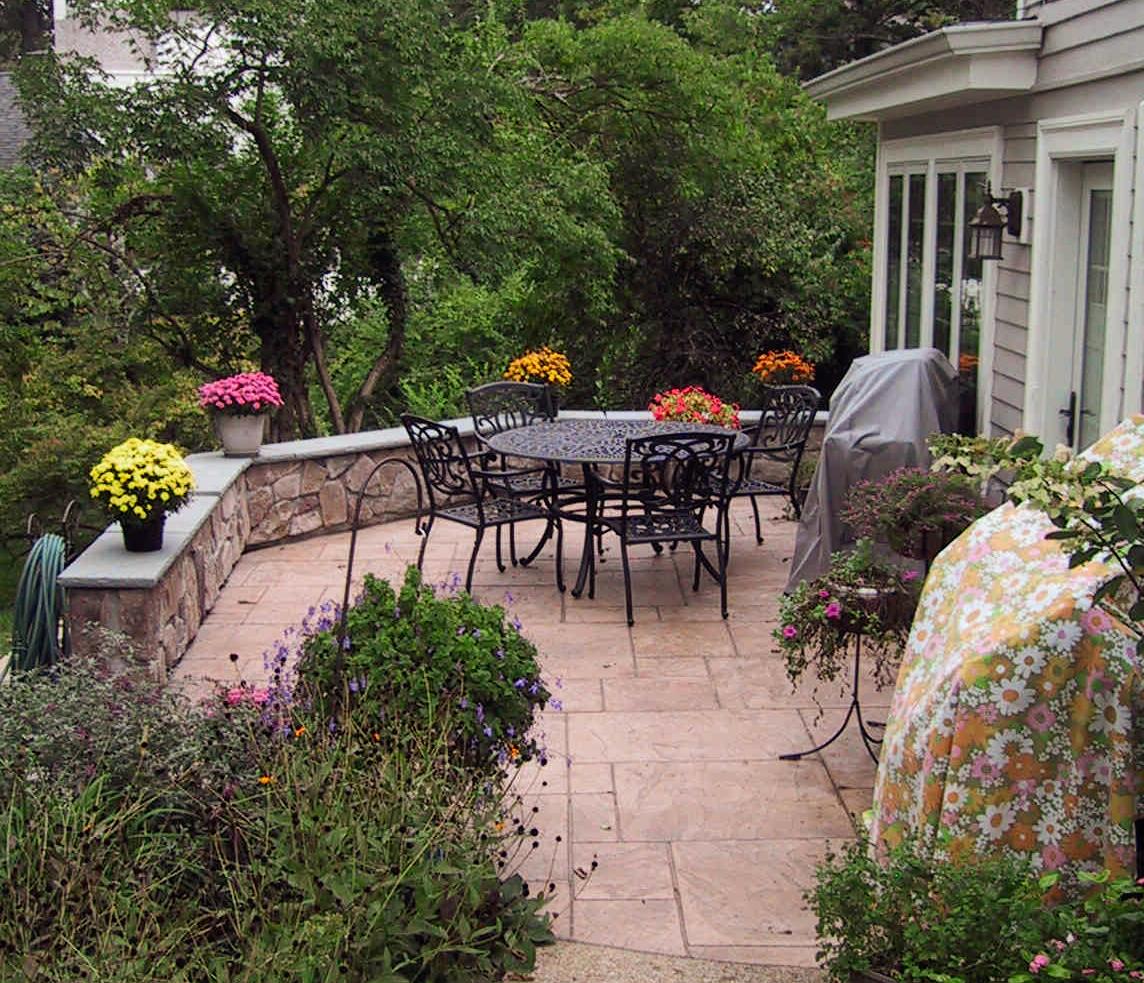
(241, 435)
(145, 536)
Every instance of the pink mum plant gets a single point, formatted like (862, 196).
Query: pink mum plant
(241, 395)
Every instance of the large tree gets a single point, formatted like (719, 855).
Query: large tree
(285, 144)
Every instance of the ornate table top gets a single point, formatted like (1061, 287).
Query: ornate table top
(590, 441)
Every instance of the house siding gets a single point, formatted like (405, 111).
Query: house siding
(1092, 62)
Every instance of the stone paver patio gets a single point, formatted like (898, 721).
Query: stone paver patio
(664, 760)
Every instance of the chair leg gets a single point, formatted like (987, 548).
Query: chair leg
(424, 541)
(698, 563)
(473, 559)
(545, 536)
(627, 580)
(758, 526)
(559, 555)
(723, 554)
(500, 558)
(794, 503)
(512, 544)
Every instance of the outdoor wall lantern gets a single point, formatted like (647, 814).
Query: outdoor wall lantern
(986, 227)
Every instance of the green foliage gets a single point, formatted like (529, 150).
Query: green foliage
(919, 919)
(88, 358)
(745, 213)
(915, 510)
(812, 37)
(146, 838)
(1096, 511)
(973, 919)
(417, 656)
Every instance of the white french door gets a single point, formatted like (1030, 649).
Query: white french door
(1090, 320)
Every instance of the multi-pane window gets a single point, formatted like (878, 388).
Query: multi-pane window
(933, 289)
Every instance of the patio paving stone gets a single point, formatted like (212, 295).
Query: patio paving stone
(747, 893)
(728, 800)
(648, 925)
(662, 765)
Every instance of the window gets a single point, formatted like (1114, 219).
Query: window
(930, 292)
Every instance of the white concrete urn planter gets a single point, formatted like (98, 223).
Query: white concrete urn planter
(241, 435)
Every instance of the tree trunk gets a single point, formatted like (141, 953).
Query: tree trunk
(386, 264)
(284, 357)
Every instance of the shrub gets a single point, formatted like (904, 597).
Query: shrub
(917, 919)
(365, 859)
(973, 919)
(915, 510)
(414, 656)
(244, 840)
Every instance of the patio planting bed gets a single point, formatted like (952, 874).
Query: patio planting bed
(664, 759)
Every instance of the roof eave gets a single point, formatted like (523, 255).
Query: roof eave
(956, 65)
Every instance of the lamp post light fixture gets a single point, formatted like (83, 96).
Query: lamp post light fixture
(986, 227)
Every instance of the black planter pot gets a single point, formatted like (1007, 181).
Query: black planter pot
(145, 536)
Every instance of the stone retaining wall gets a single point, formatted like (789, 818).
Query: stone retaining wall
(290, 491)
(291, 499)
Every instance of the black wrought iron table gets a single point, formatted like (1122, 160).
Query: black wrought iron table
(589, 443)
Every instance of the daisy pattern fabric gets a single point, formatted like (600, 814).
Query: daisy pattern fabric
(1018, 717)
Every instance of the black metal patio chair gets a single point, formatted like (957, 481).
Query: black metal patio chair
(477, 497)
(499, 406)
(670, 483)
(778, 441)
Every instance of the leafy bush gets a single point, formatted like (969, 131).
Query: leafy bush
(973, 919)
(915, 510)
(246, 840)
(416, 657)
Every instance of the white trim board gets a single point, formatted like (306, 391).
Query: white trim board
(1093, 136)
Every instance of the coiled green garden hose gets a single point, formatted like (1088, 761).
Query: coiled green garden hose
(37, 640)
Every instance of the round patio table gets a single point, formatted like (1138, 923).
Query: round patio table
(590, 443)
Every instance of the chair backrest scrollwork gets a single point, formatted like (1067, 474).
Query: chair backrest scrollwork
(679, 472)
(784, 425)
(444, 462)
(500, 406)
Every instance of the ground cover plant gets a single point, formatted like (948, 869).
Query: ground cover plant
(973, 919)
(284, 832)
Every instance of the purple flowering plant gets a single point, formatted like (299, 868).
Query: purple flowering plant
(916, 511)
(820, 619)
(416, 654)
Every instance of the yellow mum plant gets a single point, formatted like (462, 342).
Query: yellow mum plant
(542, 365)
(140, 479)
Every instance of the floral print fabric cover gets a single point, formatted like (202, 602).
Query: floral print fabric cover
(1018, 718)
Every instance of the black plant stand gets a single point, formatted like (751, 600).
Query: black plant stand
(854, 710)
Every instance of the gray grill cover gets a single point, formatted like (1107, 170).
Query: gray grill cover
(880, 416)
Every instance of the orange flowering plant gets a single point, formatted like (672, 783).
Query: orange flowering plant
(541, 365)
(694, 405)
(783, 368)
